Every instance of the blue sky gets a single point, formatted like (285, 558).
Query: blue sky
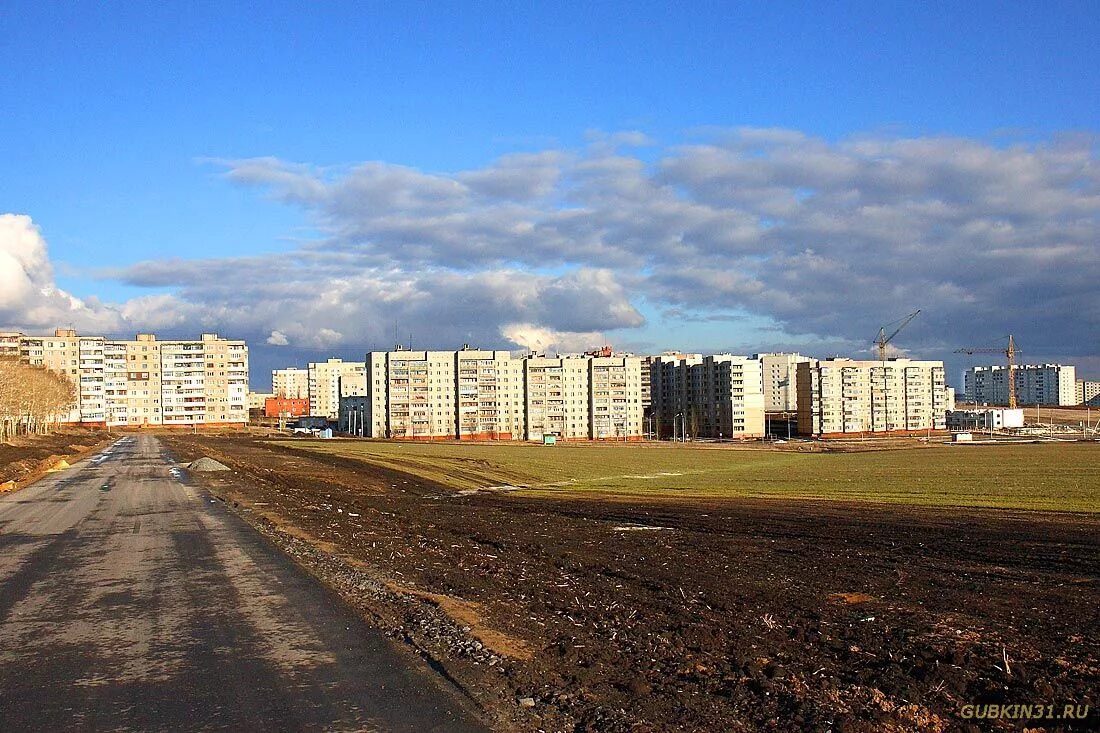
(126, 127)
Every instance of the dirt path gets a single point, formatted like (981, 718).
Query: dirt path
(746, 615)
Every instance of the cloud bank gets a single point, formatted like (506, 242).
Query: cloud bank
(556, 247)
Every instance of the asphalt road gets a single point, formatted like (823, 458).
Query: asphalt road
(130, 600)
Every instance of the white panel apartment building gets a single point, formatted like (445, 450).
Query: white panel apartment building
(843, 396)
(615, 398)
(557, 397)
(1087, 393)
(718, 396)
(291, 383)
(412, 394)
(329, 381)
(145, 381)
(1036, 384)
(472, 394)
(490, 395)
(779, 372)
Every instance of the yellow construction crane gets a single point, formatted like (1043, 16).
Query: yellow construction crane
(1010, 353)
(883, 339)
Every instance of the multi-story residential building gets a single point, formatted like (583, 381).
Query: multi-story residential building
(413, 394)
(472, 394)
(717, 396)
(1036, 384)
(292, 383)
(615, 398)
(1087, 393)
(556, 397)
(9, 344)
(673, 387)
(779, 372)
(843, 396)
(489, 395)
(330, 380)
(146, 382)
(257, 401)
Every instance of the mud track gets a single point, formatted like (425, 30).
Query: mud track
(716, 615)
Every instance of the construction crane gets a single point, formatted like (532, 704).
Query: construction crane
(883, 339)
(1010, 353)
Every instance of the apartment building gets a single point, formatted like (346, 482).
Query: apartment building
(556, 397)
(474, 394)
(1087, 393)
(291, 383)
(330, 380)
(412, 394)
(146, 382)
(9, 344)
(779, 375)
(1036, 384)
(615, 398)
(489, 395)
(718, 396)
(843, 396)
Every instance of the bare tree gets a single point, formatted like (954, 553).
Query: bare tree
(33, 400)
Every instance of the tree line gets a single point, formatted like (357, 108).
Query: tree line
(33, 400)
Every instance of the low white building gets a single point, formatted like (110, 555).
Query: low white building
(995, 418)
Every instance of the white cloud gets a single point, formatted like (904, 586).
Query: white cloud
(29, 297)
(277, 338)
(540, 339)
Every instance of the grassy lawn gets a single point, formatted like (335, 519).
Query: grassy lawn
(1046, 476)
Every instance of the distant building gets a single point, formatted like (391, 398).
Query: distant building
(9, 344)
(354, 414)
(256, 400)
(556, 400)
(413, 394)
(1087, 393)
(985, 418)
(1036, 384)
(718, 396)
(330, 380)
(474, 394)
(779, 376)
(145, 381)
(489, 395)
(292, 382)
(842, 397)
(285, 407)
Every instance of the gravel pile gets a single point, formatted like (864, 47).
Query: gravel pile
(206, 465)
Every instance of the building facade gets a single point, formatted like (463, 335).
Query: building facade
(718, 396)
(779, 377)
(148, 382)
(838, 397)
(1087, 393)
(473, 394)
(329, 381)
(292, 383)
(985, 418)
(1036, 384)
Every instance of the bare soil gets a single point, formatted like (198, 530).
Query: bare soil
(26, 457)
(586, 615)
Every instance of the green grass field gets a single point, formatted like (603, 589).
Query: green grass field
(1062, 477)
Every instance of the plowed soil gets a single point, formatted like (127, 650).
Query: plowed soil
(693, 615)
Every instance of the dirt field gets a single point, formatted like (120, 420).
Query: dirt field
(27, 456)
(695, 614)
